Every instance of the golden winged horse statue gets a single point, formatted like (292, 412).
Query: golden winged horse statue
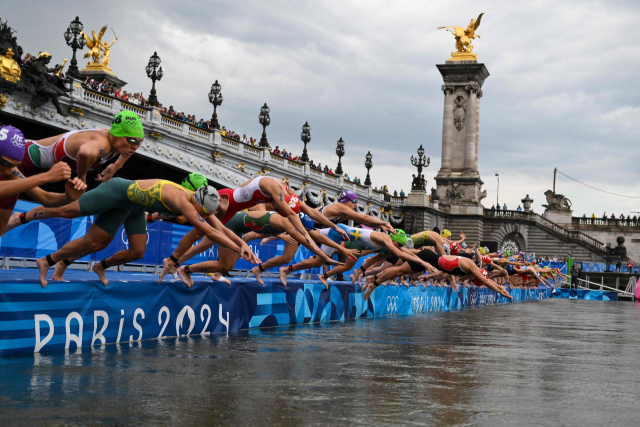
(95, 46)
(464, 37)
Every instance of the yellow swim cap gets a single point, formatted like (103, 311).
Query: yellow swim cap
(445, 233)
(482, 251)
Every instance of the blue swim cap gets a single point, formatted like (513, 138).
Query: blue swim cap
(307, 222)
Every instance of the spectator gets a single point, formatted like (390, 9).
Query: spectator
(395, 193)
(277, 150)
(493, 207)
(621, 216)
(331, 172)
(504, 208)
(635, 217)
(630, 265)
(593, 216)
(326, 169)
(584, 215)
(346, 177)
(402, 193)
(618, 264)
(519, 208)
(613, 216)
(604, 216)
(244, 138)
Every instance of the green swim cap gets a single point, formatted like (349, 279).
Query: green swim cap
(507, 253)
(127, 123)
(400, 237)
(193, 181)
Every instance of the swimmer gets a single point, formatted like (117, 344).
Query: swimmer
(120, 201)
(13, 182)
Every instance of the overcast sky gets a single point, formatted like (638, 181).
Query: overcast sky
(562, 92)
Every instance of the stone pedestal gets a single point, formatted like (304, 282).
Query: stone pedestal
(559, 216)
(458, 180)
(98, 75)
(418, 198)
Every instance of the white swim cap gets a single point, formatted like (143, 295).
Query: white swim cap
(208, 198)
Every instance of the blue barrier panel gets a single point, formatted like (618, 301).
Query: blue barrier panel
(585, 294)
(77, 314)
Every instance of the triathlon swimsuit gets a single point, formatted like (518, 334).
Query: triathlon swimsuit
(333, 220)
(244, 198)
(360, 239)
(38, 158)
(122, 201)
(451, 266)
(243, 223)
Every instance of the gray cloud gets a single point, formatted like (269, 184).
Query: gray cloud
(561, 92)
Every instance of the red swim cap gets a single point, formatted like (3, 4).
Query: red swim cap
(485, 274)
(455, 249)
(293, 202)
(486, 260)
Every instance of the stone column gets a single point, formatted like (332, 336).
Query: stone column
(470, 134)
(447, 128)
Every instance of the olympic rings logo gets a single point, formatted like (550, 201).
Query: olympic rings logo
(392, 305)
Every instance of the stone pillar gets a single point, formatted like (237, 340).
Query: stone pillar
(447, 127)
(470, 164)
(458, 180)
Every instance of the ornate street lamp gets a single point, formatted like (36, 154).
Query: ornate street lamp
(419, 183)
(215, 97)
(264, 120)
(154, 73)
(368, 164)
(75, 43)
(340, 153)
(305, 136)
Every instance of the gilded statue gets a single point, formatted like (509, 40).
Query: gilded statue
(9, 67)
(99, 51)
(464, 37)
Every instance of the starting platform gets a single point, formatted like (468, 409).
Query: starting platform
(80, 312)
(585, 294)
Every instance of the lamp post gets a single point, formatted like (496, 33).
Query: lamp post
(215, 97)
(75, 43)
(419, 183)
(154, 73)
(264, 120)
(368, 164)
(305, 136)
(498, 193)
(340, 153)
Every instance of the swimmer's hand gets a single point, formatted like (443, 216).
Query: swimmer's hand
(74, 188)
(350, 253)
(247, 253)
(388, 227)
(107, 173)
(343, 233)
(59, 172)
(331, 261)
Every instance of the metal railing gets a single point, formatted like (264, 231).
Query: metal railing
(586, 284)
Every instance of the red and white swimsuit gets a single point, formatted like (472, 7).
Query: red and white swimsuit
(451, 266)
(39, 158)
(246, 197)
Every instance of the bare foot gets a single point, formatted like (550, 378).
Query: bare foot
(186, 277)
(284, 272)
(174, 273)
(353, 278)
(58, 271)
(218, 277)
(370, 288)
(14, 222)
(394, 283)
(404, 283)
(323, 280)
(167, 265)
(99, 270)
(256, 272)
(43, 267)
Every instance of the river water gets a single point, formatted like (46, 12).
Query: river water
(553, 362)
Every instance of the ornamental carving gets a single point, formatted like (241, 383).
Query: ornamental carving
(448, 89)
(455, 193)
(475, 88)
(459, 112)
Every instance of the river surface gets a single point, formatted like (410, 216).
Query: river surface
(553, 362)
